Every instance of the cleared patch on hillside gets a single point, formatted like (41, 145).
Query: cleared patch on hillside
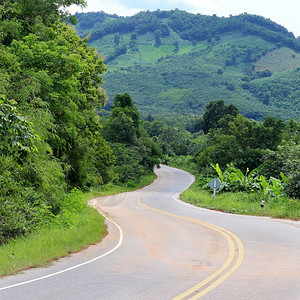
(279, 60)
(151, 53)
(175, 95)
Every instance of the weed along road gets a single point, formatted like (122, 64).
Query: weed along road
(161, 248)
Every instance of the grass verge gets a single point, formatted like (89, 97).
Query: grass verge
(43, 246)
(111, 189)
(48, 244)
(243, 203)
(236, 203)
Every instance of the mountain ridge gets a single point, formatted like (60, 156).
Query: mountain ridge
(173, 63)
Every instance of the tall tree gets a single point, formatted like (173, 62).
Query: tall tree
(216, 110)
(55, 78)
(136, 153)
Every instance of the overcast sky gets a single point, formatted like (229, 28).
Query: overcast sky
(283, 12)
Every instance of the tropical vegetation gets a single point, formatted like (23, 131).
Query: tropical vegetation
(245, 60)
(257, 160)
(51, 137)
(60, 144)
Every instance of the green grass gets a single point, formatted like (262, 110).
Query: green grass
(243, 203)
(236, 203)
(111, 189)
(48, 244)
(175, 95)
(43, 246)
(150, 53)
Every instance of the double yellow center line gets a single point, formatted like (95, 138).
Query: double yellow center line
(231, 264)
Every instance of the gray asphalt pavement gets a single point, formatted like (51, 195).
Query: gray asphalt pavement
(162, 248)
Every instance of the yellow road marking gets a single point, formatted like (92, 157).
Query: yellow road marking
(229, 236)
(171, 173)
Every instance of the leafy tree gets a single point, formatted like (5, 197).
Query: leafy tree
(59, 78)
(221, 148)
(124, 125)
(136, 154)
(157, 35)
(19, 17)
(216, 110)
(16, 132)
(286, 158)
(117, 39)
(248, 141)
(176, 45)
(54, 131)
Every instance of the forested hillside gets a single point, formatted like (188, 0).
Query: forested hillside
(173, 63)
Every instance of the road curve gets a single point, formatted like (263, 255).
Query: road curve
(161, 248)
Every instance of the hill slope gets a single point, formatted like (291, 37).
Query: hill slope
(173, 63)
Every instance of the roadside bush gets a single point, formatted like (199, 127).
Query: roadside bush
(287, 160)
(292, 186)
(71, 205)
(19, 217)
(21, 208)
(234, 180)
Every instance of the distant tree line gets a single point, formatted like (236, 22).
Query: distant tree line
(223, 136)
(188, 26)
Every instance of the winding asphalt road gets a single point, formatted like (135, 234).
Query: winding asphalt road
(161, 248)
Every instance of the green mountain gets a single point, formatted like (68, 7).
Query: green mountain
(173, 63)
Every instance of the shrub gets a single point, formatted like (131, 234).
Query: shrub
(292, 186)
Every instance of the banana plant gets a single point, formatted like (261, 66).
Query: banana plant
(219, 171)
(274, 186)
(233, 179)
(264, 184)
(244, 182)
(223, 177)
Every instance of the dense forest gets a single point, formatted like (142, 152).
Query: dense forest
(52, 140)
(223, 139)
(56, 139)
(246, 60)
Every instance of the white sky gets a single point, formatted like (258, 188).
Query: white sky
(283, 12)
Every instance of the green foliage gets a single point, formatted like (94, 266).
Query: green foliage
(50, 134)
(241, 141)
(219, 172)
(278, 91)
(292, 187)
(136, 154)
(233, 179)
(220, 148)
(22, 207)
(174, 142)
(124, 124)
(243, 203)
(209, 64)
(55, 78)
(286, 159)
(16, 132)
(71, 206)
(247, 144)
(18, 18)
(215, 111)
